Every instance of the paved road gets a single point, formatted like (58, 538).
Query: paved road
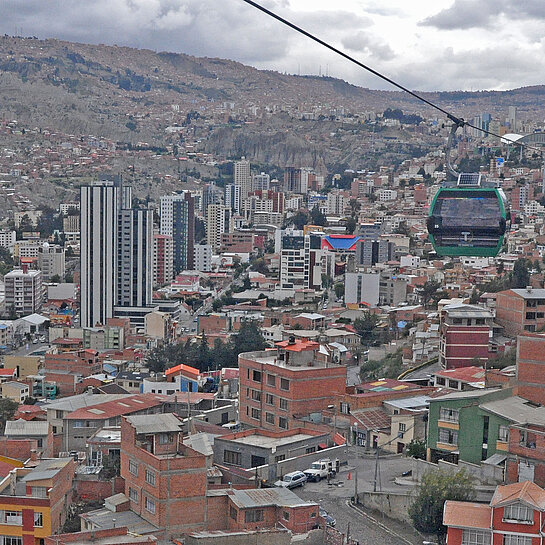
(368, 528)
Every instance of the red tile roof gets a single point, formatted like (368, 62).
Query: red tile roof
(298, 346)
(465, 514)
(526, 491)
(373, 419)
(183, 369)
(7, 372)
(119, 407)
(465, 374)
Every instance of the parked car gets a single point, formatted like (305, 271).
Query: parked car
(321, 469)
(292, 480)
(329, 520)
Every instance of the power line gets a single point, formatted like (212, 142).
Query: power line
(460, 122)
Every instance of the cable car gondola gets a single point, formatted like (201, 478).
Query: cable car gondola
(469, 219)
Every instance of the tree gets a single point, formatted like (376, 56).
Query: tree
(521, 276)
(428, 290)
(248, 338)
(365, 326)
(436, 487)
(6, 261)
(7, 410)
(339, 290)
(416, 449)
(316, 217)
(298, 220)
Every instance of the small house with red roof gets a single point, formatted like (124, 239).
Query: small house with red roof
(187, 377)
(514, 517)
(7, 375)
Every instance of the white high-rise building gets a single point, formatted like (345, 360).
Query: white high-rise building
(218, 221)
(203, 257)
(232, 197)
(23, 291)
(51, 261)
(243, 177)
(261, 182)
(99, 206)
(134, 258)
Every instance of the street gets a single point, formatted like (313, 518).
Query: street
(368, 528)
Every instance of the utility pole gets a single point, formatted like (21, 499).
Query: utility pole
(376, 470)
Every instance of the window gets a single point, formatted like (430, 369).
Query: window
(310, 450)
(39, 492)
(133, 467)
(475, 537)
(165, 438)
(133, 495)
(256, 413)
(284, 384)
(449, 415)
(150, 505)
(253, 515)
(448, 437)
(232, 457)
(269, 399)
(233, 513)
(269, 418)
(79, 424)
(59, 415)
(283, 423)
(14, 518)
(517, 540)
(402, 427)
(150, 477)
(256, 395)
(271, 381)
(256, 376)
(38, 520)
(279, 458)
(284, 404)
(518, 512)
(503, 434)
(286, 515)
(11, 540)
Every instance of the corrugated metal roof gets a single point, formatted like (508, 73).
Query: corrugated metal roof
(261, 497)
(26, 427)
(155, 423)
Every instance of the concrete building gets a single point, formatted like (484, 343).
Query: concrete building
(370, 252)
(253, 448)
(16, 391)
(465, 334)
(361, 288)
(99, 220)
(108, 337)
(261, 182)
(232, 197)
(392, 288)
(290, 381)
(32, 429)
(134, 258)
(23, 291)
(242, 177)
(159, 325)
(51, 261)
(178, 221)
(203, 257)
(7, 238)
(163, 259)
(218, 221)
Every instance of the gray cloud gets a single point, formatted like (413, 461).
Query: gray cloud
(362, 42)
(466, 14)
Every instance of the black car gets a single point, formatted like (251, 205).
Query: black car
(329, 520)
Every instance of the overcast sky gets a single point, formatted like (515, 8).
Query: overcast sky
(424, 44)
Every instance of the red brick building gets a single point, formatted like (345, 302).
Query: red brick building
(513, 517)
(465, 334)
(521, 310)
(531, 367)
(278, 385)
(165, 480)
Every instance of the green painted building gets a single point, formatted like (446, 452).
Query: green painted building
(459, 429)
